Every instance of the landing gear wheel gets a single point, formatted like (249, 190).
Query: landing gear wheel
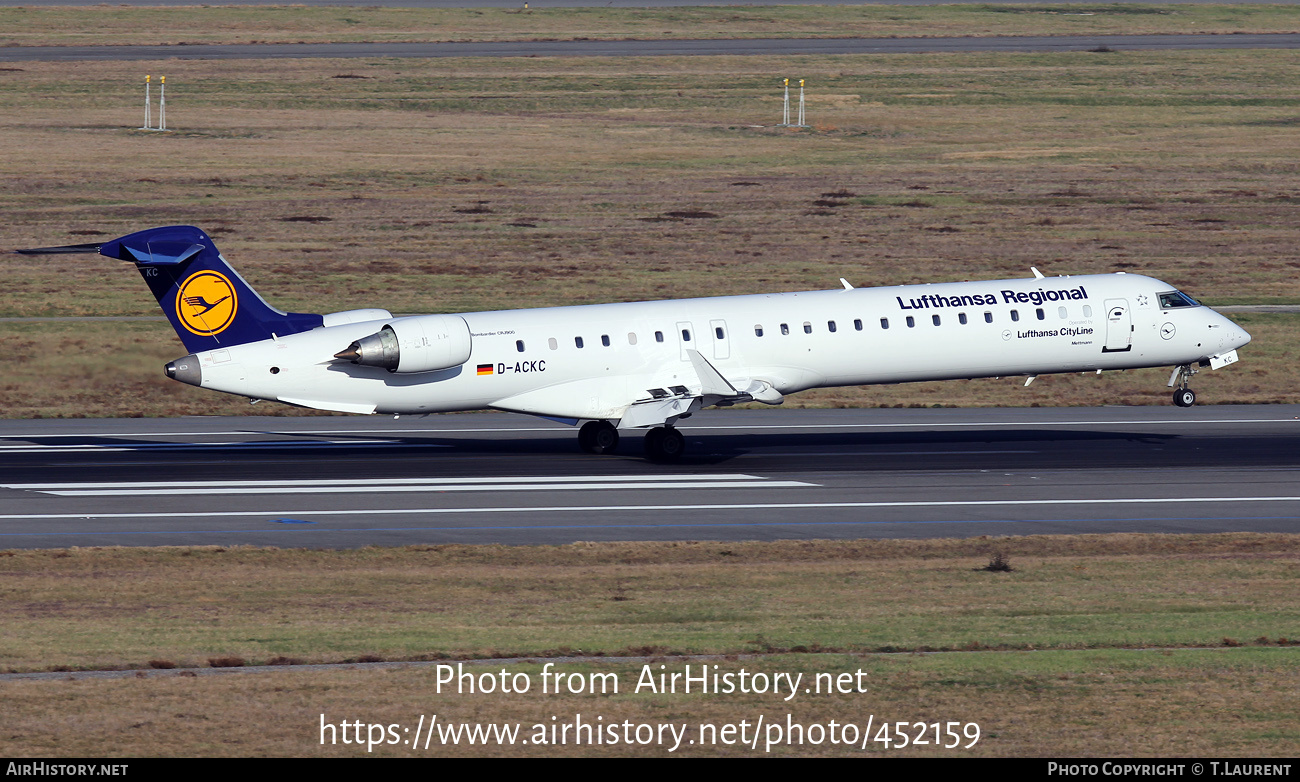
(598, 437)
(664, 444)
(1184, 397)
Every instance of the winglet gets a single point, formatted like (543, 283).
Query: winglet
(846, 284)
(711, 381)
(1037, 274)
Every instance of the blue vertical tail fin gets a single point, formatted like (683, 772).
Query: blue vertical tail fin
(206, 300)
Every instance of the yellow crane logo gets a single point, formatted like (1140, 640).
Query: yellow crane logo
(206, 303)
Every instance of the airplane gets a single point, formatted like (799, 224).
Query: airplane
(645, 366)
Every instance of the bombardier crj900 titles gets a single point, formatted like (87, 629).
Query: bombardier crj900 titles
(648, 365)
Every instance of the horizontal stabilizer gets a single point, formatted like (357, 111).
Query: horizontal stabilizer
(64, 250)
(161, 253)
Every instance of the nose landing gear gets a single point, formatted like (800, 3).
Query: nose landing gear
(1182, 375)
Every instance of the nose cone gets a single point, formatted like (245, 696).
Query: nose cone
(186, 370)
(1234, 336)
(1241, 338)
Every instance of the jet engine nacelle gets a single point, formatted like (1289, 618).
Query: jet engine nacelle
(418, 344)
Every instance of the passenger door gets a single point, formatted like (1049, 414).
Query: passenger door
(1119, 327)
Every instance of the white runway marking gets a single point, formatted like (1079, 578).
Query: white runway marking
(394, 485)
(651, 508)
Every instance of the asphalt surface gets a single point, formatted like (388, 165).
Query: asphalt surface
(749, 475)
(758, 46)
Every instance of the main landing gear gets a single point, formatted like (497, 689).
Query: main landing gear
(598, 437)
(662, 444)
(1183, 396)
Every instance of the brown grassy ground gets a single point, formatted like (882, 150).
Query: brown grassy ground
(88, 608)
(1078, 601)
(292, 24)
(481, 184)
(1234, 703)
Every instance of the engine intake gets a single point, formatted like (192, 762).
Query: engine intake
(425, 343)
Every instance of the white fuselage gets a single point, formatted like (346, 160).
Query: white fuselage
(530, 360)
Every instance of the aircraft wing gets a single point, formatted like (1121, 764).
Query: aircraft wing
(637, 402)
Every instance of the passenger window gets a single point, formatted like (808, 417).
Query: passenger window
(1041, 315)
(988, 317)
(785, 329)
(717, 331)
(807, 327)
(604, 340)
(830, 326)
(554, 345)
(758, 330)
(934, 319)
(1087, 311)
(1015, 316)
(577, 341)
(631, 338)
(1060, 311)
(686, 335)
(911, 322)
(857, 324)
(961, 318)
(519, 345)
(659, 336)
(884, 323)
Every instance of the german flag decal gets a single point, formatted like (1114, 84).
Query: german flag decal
(485, 369)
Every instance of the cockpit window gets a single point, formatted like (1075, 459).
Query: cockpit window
(1177, 299)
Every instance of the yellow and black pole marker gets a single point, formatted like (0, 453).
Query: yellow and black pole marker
(147, 118)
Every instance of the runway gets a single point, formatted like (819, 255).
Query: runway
(653, 48)
(749, 475)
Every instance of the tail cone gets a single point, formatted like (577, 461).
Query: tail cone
(185, 370)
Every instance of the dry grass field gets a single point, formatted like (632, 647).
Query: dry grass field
(294, 24)
(1054, 658)
(1224, 703)
(457, 185)
(188, 605)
